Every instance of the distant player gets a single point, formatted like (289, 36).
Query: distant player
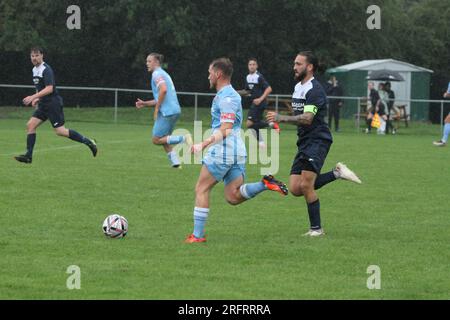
(167, 109)
(446, 133)
(309, 103)
(49, 106)
(259, 89)
(225, 160)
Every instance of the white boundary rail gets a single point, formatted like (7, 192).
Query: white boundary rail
(199, 94)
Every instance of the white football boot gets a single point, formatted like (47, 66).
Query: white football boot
(439, 143)
(345, 173)
(315, 233)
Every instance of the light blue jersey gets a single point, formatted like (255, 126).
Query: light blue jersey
(227, 107)
(448, 89)
(170, 105)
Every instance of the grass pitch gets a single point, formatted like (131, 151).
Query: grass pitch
(51, 214)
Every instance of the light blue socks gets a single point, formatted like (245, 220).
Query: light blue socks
(200, 219)
(446, 132)
(251, 190)
(171, 140)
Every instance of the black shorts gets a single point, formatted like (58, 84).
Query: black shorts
(311, 156)
(256, 113)
(52, 110)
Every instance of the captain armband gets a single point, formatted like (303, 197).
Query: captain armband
(310, 108)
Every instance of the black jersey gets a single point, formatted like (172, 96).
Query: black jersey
(374, 97)
(256, 84)
(43, 76)
(311, 97)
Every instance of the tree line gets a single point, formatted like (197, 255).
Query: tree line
(115, 37)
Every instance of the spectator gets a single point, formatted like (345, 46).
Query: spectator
(335, 105)
(381, 107)
(391, 107)
(373, 99)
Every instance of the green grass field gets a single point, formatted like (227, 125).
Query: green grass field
(51, 214)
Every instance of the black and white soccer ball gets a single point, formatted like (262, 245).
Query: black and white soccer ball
(115, 226)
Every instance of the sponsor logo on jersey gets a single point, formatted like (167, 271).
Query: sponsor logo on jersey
(228, 117)
(298, 105)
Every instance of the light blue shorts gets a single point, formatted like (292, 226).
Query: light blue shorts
(164, 125)
(226, 172)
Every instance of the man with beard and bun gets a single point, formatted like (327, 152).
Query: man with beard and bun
(309, 104)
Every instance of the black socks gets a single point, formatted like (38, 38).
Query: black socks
(31, 140)
(324, 179)
(75, 136)
(314, 215)
(259, 125)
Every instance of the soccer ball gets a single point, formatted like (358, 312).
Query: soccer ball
(115, 226)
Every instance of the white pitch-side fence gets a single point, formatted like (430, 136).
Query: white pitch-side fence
(277, 98)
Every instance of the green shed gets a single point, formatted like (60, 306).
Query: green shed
(352, 78)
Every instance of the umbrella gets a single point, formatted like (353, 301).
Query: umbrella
(384, 75)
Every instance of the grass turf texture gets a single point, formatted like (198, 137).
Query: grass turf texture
(52, 211)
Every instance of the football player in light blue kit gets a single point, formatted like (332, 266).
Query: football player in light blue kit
(446, 133)
(225, 160)
(167, 109)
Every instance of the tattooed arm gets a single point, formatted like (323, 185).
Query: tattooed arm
(305, 119)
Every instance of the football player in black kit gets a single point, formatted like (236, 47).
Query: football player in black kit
(257, 89)
(49, 107)
(309, 104)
